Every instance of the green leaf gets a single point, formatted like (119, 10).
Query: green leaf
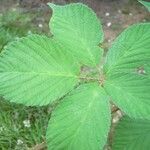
(130, 93)
(78, 27)
(36, 71)
(81, 121)
(127, 78)
(146, 4)
(130, 50)
(131, 134)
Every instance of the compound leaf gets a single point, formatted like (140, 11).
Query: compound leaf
(146, 4)
(132, 134)
(81, 121)
(35, 71)
(127, 76)
(77, 26)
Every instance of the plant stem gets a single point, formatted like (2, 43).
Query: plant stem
(89, 78)
(41, 146)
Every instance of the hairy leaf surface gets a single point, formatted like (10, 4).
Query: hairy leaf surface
(132, 134)
(35, 71)
(126, 69)
(81, 121)
(130, 93)
(77, 26)
(130, 51)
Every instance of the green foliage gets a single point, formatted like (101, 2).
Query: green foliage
(78, 122)
(14, 24)
(37, 70)
(132, 134)
(16, 132)
(146, 4)
(127, 82)
(38, 65)
(77, 27)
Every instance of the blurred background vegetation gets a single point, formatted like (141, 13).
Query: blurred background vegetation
(22, 128)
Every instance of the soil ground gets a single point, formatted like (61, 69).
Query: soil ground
(115, 15)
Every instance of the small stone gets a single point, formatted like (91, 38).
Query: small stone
(107, 14)
(109, 24)
(119, 113)
(141, 70)
(109, 40)
(144, 20)
(40, 25)
(115, 120)
(117, 116)
(119, 11)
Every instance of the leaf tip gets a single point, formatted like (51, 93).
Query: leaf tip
(51, 5)
(140, 1)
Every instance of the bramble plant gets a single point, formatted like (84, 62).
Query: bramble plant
(37, 70)
(132, 134)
